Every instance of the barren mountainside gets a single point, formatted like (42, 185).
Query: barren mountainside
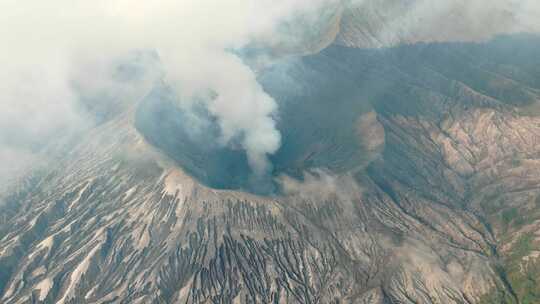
(407, 174)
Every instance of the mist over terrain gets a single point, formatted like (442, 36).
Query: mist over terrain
(65, 62)
(62, 57)
(289, 151)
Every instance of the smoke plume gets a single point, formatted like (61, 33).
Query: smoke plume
(56, 53)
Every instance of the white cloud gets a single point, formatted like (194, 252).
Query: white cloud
(55, 52)
(50, 48)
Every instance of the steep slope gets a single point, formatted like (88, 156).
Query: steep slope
(124, 225)
(419, 185)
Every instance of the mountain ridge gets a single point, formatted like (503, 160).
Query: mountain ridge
(441, 205)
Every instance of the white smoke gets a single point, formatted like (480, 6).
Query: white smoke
(58, 51)
(55, 52)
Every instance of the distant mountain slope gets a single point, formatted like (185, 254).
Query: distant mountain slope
(387, 23)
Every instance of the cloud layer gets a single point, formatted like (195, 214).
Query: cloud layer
(58, 53)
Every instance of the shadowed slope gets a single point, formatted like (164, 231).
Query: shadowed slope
(322, 97)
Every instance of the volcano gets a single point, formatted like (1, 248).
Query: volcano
(407, 173)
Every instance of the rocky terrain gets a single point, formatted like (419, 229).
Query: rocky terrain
(406, 175)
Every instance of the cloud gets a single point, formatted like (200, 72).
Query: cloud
(59, 53)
